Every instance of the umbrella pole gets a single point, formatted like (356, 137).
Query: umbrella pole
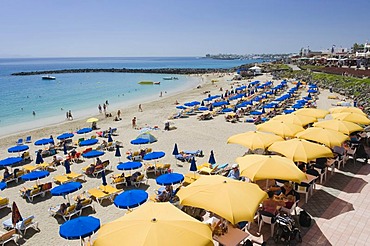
(267, 184)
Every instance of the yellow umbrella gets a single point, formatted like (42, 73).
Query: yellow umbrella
(328, 137)
(280, 128)
(336, 110)
(155, 224)
(254, 140)
(300, 150)
(345, 127)
(91, 120)
(297, 119)
(313, 112)
(231, 199)
(352, 117)
(259, 167)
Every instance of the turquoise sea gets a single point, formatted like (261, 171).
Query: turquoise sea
(83, 92)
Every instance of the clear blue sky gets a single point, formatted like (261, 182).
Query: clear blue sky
(70, 28)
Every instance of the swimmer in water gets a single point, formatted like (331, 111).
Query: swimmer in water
(34, 113)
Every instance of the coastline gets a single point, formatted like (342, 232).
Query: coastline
(191, 134)
(83, 114)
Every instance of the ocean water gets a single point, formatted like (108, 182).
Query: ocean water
(83, 92)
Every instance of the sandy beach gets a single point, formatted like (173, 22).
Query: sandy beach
(191, 134)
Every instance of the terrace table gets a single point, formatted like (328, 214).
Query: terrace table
(309, 178)
(233, 237)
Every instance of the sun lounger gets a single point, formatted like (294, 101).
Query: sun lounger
(139, 180)
(40, 190)
(16, 178)
(117, 180)
(97, 171)
(9, 236)
(100, 195)
(23, 225)
(70, 177)
(110, 190)
(20, 141)
(28, 139)
(4, 202)
(208, 170)
(190, 178)
(26, 156)
(162, 168)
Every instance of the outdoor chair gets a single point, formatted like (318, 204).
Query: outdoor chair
(268, 220)
(139, 180)
(117, 180)
(28, 139)
(9, 236)
(70, 177)
(23, 225)
(15, 176)
(303, 189)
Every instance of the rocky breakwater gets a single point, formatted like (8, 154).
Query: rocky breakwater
(127, 70)
(359, 91)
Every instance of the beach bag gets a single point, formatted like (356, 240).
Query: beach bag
(304, 219)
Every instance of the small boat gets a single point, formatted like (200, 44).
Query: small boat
(170, 78)
(146, 82)
(48, 77)
(157, 83)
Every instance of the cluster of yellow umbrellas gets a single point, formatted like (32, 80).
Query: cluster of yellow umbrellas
(231, 199)
(281, 128)
(345, 127)
(352, 117)
(297, 119)
(328, 137)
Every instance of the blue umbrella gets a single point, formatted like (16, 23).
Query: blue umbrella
(18, 148)
(312, 91)
(212, 158)
(84, 130)
(211, 107)
(39, 159)
(130, 165)
(181, 107)
(203, 108)
(170, 179)
(202, 104)
(88, 142)
(118, 152)
(67, 166)
(255, 113)
(103, 178)
(65, 136)
(80, 227)
(131, 199)
(297, 106)
(44, 141)
(138, 141)
(110, 139)
(219, 104)
(35, 175)
(10, 161)
(189, 104)
(154, 155)
(2, 185)
(226, 110)
(175, 150)
(92, 154)
(65, 189)
(193, 165)
(65, 148)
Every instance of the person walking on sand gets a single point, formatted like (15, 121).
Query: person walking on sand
(105, 108)
(119, 114)
(140, 108)
(70, 115)
(99, 107)
(134, 122)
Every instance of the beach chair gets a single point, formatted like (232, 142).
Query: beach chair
(41, 190)
(9, 236)
(209, 170)
(4, 202)
(20, 141)
(70, 212)
(99, 195)
(112, 191)
(110, 146)
(70, 177)
(77, 143)
(118, 180)
(87, 202)
(140, 180)
(26, 156)
(28, 139)
(26, 224)
(162, 168)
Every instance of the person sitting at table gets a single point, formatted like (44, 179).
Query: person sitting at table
(290, 200)
(270, 206)
(287, 189)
